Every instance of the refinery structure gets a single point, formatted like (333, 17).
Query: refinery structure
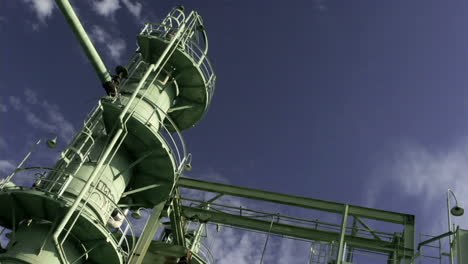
(129, 158)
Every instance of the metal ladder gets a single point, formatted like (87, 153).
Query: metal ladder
(78, 148)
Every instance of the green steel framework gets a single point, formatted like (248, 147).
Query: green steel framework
(130, 156)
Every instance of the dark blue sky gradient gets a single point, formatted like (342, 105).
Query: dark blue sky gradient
(310, 101)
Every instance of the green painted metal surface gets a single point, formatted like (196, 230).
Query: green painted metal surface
(112, 183)
(189, 65)
(18, 205)
(401, 247)
(32, 246)
(305, 202)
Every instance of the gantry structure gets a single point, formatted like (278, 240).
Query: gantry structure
(130, 157)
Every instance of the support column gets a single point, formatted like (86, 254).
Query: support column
(344, 224)
(147, 236)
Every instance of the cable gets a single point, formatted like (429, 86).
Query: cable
(266, 241)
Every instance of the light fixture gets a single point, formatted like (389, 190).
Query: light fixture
(137, 214)
(457, 211)
(52, 143)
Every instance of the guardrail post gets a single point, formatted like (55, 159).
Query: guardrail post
(342, 235)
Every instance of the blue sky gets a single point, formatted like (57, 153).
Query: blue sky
(363, 102)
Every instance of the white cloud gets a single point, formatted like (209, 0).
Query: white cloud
(31, 96)
(240, 246)
(115, 47)
(424, 176)
(42, 8)
(232, 245)
(64, 127)
(15, 102)
(6, 166)
(47, 118)
(133, 8)
(99, 35)
(37, 122)
(3, 108)
(106, 7)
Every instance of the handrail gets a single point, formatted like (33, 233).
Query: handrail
(112, 206)
(180, 158)
(245, 212)
(204, 252)
(178, 150)
(191, 47)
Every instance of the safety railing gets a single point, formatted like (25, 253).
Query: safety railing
(204, 253)
(171, 22)
(285, 219)
(435, 252)
(36, 178)
(201, 60)
(173, 140)
(176, 144)
(83, 142)
(189, 45)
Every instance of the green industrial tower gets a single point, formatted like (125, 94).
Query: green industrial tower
(129, 151)
(129, 157)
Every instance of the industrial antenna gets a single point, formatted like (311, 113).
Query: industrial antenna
(129, 158)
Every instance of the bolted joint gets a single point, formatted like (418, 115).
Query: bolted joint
(410, 219)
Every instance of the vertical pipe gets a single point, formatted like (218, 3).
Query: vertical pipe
(449, 225)
(196, 239)
(85, 42)
(342, 235)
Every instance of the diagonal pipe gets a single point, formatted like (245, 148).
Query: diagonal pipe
(85, 41)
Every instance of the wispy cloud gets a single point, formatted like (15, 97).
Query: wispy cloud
(240, 246)
(3, 108)
(237, 246)
(134, 8)
(106, 7)
(42, 8)
(42, 115)
(15, 102)
(115, 47)
(424, 175)
(6, 166)
(31, 96)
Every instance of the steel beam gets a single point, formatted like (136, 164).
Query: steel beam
(177, 223)
(409, 241)
(368, 228)
(147, 236)
(299, 201)
(203, 216)
(344, 224)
